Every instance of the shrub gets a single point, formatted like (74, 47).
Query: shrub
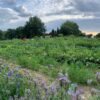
(80, 75)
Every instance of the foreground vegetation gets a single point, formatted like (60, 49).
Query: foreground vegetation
(51, 55)
(68, 61)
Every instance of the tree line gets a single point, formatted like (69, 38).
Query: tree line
(35, 27)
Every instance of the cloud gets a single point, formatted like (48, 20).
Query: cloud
(7, 14)
(75, 7)
(10, 1)
(47, 19)
(87, 5)
(49, 10)
(23, 11)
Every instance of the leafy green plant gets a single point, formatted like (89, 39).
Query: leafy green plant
(80, 75)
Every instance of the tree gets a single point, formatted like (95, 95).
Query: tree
(82, 34)
(10, 34)
(34, 27)
(98, 35)
(70, 28)
(58, 30)
(89, 35)
(53, 33)
(19, 32)
(1, 34)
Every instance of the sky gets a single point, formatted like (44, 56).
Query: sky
(53, 13)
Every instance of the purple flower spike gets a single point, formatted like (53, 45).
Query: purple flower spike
(10, 73)
(79, 91)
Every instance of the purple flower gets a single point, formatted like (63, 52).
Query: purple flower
(79, 91)
(10, 73)
(64, 79)
(52, 88)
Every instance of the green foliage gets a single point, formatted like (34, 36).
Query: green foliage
(10, 34)
(34, 27)
(70, 28)
(12, 83)
(18, 84)
(55, 33)
(51, 55)
(80, 75)
(1, 34)
(98, 35)
(79, 57)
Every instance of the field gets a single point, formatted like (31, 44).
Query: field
(79, 57)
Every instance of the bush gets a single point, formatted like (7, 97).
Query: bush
(80, 75)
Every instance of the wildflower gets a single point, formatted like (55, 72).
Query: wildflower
(43, 83)
(10, 73)
(74, 92)
(79, 91)
(63, 80)
(52, 89)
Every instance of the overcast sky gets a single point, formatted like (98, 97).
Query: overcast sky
(86, 13)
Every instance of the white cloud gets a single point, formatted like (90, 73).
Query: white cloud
(64, 17)
(23, 11)
(48, 10)
(7, 14)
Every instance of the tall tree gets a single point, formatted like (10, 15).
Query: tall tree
(70, 28)
(19, 32)
(10, 34)
(98, 35)
(53, 33)
(58, 30)
(34, 27)
(1, 34)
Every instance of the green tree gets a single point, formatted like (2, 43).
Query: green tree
(34, 27)
(98, 35)
(1, 34)
(53, 33)
(89, 35)
(10, 34)
(70, 28)
(58, 30)
(19, 32)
